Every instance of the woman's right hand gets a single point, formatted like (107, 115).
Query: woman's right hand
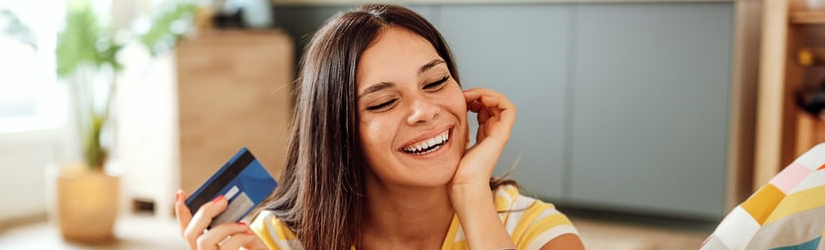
(227, 236)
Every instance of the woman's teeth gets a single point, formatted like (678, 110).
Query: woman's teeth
(429, 145)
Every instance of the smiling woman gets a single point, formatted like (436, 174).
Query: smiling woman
(379, 156)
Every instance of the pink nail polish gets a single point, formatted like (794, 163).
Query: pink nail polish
(217, 199)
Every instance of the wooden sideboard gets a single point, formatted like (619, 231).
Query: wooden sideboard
(784, 131)
(805, 31)
(234, 89)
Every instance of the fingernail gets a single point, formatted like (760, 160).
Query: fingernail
(248, 232)
(217, 199)
(177, 197)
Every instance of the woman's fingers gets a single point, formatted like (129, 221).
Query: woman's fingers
(182, 211)
(236, 241)
(203, 218)
(495, 113)
(485, 101)
(226, 236)
(193, 228)
(184, 216)
(501, 112)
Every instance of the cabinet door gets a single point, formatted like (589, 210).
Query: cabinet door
(301, 22)
(520, 50)
(650, 107)
(233, 91)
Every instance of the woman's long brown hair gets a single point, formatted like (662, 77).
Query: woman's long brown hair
(321, 194)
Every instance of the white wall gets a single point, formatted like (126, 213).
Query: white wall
(146, 144)
(33, 132)
(24, 157)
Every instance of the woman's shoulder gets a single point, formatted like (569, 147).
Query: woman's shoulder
(530, 221)
(275, 233)
(508, 198)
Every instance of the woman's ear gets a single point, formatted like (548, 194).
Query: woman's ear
(467, 135)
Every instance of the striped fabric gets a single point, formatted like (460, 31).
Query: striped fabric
(530, 222)
(788, 213)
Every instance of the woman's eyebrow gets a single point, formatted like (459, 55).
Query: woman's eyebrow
(376, 88)
(430, 65)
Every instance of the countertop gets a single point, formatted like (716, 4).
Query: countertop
(355, 2)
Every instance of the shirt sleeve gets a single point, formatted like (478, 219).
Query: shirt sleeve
(531, 222)
(275, 234)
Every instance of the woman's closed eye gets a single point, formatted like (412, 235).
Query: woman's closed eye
(382, 106)
(437, 84)
(387, 104)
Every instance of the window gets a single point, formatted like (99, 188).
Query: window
(30, 98)
(32, 105)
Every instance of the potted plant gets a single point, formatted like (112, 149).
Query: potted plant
(87, 197)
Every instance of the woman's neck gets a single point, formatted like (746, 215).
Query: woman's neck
(406, 218)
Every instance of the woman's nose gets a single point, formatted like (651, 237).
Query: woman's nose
(422, 110)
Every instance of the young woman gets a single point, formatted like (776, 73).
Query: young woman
(379, 155)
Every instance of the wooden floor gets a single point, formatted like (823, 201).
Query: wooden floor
(132, 232)
(612, 235)
(143, 232)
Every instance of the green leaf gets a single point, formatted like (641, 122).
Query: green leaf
(172, 20)
(84, 40)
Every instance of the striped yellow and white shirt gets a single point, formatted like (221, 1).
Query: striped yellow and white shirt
(530, 222)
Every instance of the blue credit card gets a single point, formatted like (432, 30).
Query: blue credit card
(243, 181)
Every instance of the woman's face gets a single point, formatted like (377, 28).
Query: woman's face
(413, 123)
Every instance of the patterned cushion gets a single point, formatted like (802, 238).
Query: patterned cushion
(788, 213)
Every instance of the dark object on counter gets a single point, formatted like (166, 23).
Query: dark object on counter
(244, 14)
(812, 100)
(229, 21)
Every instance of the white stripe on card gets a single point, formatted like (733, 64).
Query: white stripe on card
(232, 192)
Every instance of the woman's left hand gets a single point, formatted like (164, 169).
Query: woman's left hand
(469, 190)
(495, 115)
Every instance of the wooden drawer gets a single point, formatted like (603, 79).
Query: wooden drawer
(234, 90)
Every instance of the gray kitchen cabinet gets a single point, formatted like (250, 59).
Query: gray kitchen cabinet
(650, 104)
(519, 50)
(621, 106)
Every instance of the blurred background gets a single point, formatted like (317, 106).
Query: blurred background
(644, 120)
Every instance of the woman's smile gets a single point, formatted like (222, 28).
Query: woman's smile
(429, 145)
